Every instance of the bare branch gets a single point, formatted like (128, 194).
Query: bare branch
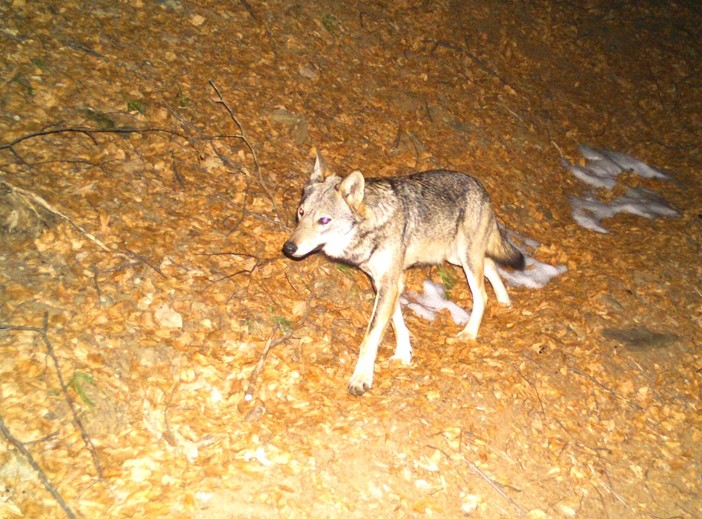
(495, 485)
(242, 136)
(64, 388)
(88, 132)
(270, 344)
(40, 472)
(32, 198)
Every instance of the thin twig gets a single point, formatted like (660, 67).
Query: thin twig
(514, 114)
(242, 136)
(88, 132)
(228, 164)
(142, 259)
(543, 410)
(40, 472)
(559, 149)
(260, 216)
(270, 344)
(24, 193)
(257, 264)
(96, 281)
(608, 487)
(609, 390)
(487, 69)
(192, 133)
(495, 485)
(30, 197)
(481, 64)
(64, 388)
(226, 253)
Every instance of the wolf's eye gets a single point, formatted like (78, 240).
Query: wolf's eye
(324, 220)
(300, 212)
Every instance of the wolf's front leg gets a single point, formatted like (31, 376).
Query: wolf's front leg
(385, 302)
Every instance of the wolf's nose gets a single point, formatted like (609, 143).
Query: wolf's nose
(289, 248)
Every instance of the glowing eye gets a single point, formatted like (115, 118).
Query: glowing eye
(324, 220)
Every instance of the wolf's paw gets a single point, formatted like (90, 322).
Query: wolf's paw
(467, 335)
(404, 358)
(360, 383)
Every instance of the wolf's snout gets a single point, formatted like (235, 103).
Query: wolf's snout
(290, 248)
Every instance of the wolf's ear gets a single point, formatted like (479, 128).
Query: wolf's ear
(352, 189)
(320, 170)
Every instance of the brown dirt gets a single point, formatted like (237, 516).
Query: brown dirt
(164, 278)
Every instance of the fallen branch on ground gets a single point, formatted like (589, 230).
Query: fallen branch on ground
(86, 130)
(40, 472)
(30, 198)
(272, 343)
(64, 388)
(242, 136)
(496, 486)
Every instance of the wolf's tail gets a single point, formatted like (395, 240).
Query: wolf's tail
(501, 250)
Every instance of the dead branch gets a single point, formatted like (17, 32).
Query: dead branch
(654, 78)
(257, 264)
(608, 487)
(496, 486)
(37, 468)
(242, 137)
(272, 343)
(609, 390)
(238, 294)
(475, 59)
(516, 115)
(96, 281)
(228, 164)
(192, 133)
(531, 384)
(64, 388)
(142, 259)
(88, 132)
(398, 138)
(258, 216)
(32, 198)
(487, 69)
(168, 433)
(416, 143)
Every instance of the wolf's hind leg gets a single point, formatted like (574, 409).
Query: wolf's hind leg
(498, 286)
(403, 348)
(476, 282)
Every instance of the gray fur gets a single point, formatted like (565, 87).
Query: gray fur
(387, 225)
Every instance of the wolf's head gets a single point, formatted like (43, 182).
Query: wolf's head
(328, 213)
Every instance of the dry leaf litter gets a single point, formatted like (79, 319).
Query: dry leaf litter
(152, 156)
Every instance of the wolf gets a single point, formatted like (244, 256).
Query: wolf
(384, 226)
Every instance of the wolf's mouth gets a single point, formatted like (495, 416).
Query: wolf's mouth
(290, 249)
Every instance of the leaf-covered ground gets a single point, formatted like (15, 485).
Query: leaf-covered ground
(151, 159)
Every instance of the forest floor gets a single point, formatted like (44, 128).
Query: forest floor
(152, 155)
